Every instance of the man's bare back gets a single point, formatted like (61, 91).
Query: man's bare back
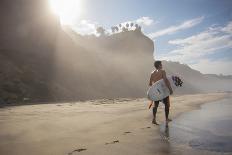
(156, 75)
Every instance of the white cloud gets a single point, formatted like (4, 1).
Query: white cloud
(172, 29)
(213, 67)
(196, 48)
(228, 28)
(144, 21)
(204, 43)
(85, 27)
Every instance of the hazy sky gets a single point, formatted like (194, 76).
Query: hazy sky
(194, 32)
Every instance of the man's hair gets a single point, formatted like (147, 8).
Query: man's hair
(157, 64)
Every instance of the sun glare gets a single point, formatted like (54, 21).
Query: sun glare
(67, 10)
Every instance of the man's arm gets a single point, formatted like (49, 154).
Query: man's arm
(167, 82)
(150, 83)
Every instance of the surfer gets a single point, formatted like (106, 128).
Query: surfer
(157, 75)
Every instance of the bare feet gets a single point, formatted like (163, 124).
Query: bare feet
(168, 120)
(154, 122)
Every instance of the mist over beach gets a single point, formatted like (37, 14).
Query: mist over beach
(74, 76)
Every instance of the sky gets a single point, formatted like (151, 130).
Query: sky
(193, 32)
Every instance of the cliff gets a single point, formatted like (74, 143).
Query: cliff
(40, 62)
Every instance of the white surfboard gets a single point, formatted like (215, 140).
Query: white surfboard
(159, 90)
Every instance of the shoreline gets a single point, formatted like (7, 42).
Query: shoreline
(200, 131)
(121, 126)
(5, 105)
(197, 105)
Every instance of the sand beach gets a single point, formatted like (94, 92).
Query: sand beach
(101, 127)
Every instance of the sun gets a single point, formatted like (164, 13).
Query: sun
(67, 10)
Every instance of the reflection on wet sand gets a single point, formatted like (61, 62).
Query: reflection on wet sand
(206, 129)
(164, 132)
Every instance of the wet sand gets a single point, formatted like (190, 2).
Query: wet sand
(203, 131)
(101, 127)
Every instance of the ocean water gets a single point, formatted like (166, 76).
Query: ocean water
(209, 128)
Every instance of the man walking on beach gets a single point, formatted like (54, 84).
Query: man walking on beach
(157, 75)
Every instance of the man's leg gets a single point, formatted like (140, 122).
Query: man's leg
(167, 105)
(154, 112)
(151, 102)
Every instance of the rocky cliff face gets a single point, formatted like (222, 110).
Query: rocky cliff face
(105, 67)
(28, 32)
(40, 62)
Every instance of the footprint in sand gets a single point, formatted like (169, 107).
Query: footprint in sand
(115, 141)
(77, 150)
(127, 132)
(146, 128)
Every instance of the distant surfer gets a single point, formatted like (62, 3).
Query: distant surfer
(157, 75)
